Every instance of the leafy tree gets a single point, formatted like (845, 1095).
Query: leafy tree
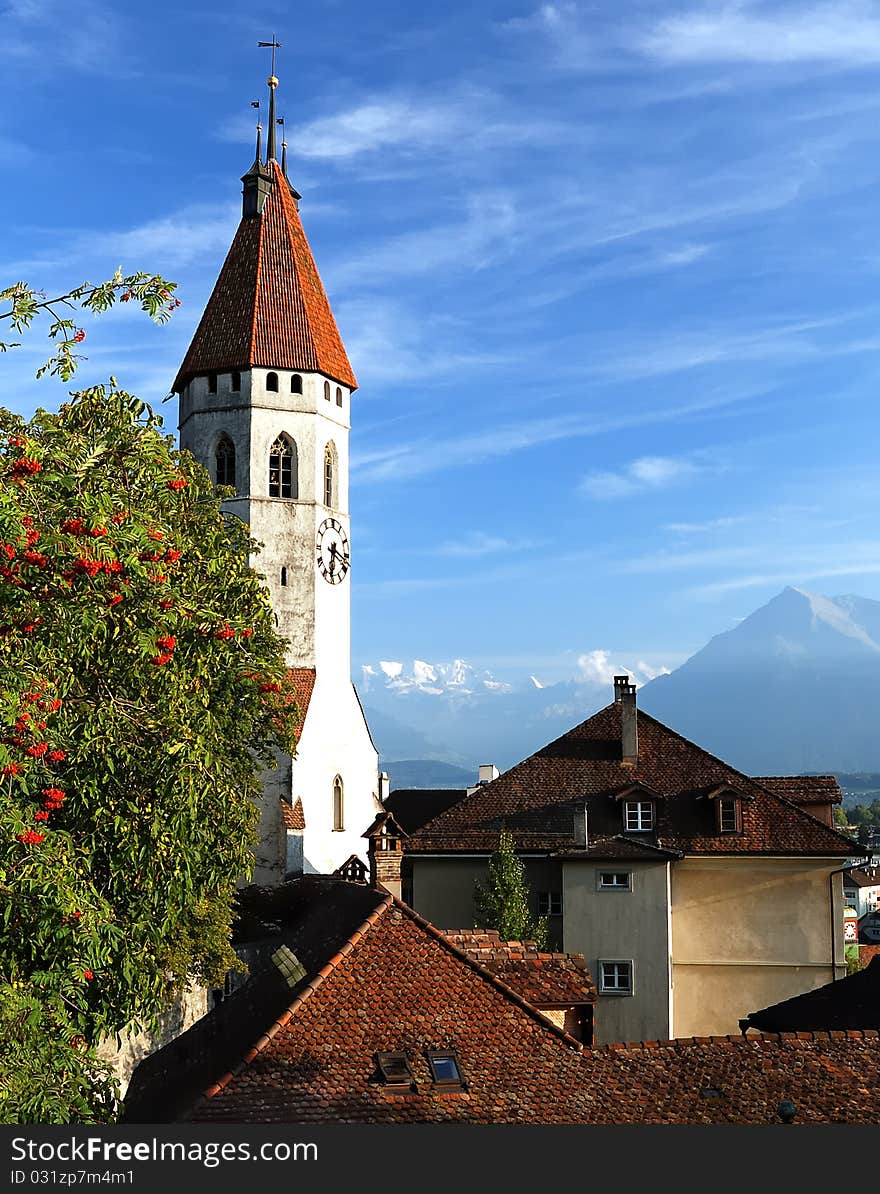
(142, 689)
(502, 903)
(151, 292)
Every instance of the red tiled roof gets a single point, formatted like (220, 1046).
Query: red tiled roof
(302, 680)
(292, 814)
(803, 789)
(395, 983)
(536, 799)
(268, 307)
(831, 1077)
(544, 979)
(867, 953)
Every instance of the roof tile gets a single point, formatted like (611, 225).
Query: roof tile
(268, 307)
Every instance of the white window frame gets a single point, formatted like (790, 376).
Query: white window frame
(600, 886)
(644, 823)
(615, 990)
(551, 897)
(730, 800)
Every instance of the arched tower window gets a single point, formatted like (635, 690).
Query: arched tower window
(327, 390)
(225, 460)
(338, 396)
(338, 811)
(235, 382)
(284, 576)
(296, 384)
(272, 383)
(212, 383)
(283, 468)
(330, 475)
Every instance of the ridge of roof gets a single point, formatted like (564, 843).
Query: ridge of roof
(303, 996)
(434, 829)
(764, 1039)
(309, 990)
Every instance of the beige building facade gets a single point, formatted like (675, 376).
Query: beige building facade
(695, 894)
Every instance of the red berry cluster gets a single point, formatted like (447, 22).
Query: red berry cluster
(31, 837)
(178, 483)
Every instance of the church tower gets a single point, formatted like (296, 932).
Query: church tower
(265, 401)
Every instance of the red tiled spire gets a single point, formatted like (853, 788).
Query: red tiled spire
(268, 307)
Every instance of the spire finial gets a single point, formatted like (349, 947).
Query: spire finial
(256, 104)
(273, 83)
(283, 147)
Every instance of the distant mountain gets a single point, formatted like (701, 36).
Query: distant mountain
(457, 714)
(426, 773)
(794, 688)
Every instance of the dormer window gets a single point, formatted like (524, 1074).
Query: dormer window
(728, 805)
(728, 815)
(638, 816)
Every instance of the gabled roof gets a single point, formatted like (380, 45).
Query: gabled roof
(863, 877)
(414, 807)
(537, 798)
(803, 789)
(379, 978)
(851, 1002)
(268, 307)
(545, 979)
(292, 814)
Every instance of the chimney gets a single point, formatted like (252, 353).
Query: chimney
(625, 696)
(385, 853)
(487, 772)
(581, 836)
(384, 787)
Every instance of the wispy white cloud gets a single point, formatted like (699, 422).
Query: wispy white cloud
(423, 456)
(46, 33)
(647, 473)
(483, 234)
(841, 32)
(598, 667)
(790, 342)
(390, 344)
(478, 543)
(460, 121)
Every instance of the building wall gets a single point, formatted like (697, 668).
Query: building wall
(622, 926)
(312, 615)
(132, 1047)
(747, 933)
(443, 888)
(335, 741)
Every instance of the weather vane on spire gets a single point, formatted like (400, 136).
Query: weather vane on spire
(275, 45)
(273, 83)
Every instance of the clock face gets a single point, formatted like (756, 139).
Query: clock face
(332, 550)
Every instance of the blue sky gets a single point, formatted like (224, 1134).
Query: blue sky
(609, 277)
